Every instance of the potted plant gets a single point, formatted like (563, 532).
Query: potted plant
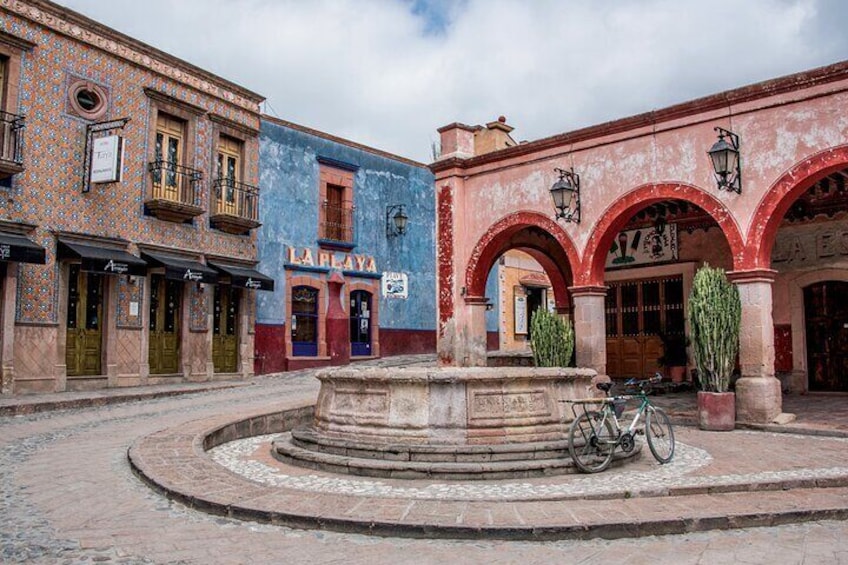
(715, 314)
(552, 339)
(674, 358)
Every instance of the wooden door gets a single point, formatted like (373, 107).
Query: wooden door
(84, 335)
(225, 329)
(826, 313)
(164, 340)
(637, 312)
(229, 155)
(168, 152)
(360, 323)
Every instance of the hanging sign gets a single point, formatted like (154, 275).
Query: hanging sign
(395, 285)
(643, 246)
(106, 157)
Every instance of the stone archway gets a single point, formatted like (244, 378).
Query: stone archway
(779, 198)
(617, 214)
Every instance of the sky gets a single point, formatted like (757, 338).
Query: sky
(388, 73)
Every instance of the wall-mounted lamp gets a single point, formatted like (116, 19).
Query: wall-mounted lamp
(566, 195)
(396, 220)
(725, 158)
(200, 287)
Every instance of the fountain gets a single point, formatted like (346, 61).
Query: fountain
(447, 422)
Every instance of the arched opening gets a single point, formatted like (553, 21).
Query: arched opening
(645, 251)
(522, 265)
(800, 231)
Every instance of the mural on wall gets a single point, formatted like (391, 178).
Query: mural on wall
(655, 244)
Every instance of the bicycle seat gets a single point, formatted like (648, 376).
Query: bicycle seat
(604, 386)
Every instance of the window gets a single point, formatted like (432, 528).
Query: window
(336, 214)
(229, 176)
(86, 99)
(304, 321)
(645, 307)
(170, 133)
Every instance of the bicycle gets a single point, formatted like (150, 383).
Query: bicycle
(595, 434)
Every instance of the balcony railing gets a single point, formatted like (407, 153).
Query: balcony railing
(174, 191)
(337, 223)
(236, 206)
(11, 143)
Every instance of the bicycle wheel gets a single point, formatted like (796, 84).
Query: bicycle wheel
(660, 435)
(591, 442)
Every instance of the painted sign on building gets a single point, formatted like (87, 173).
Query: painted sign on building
(810, 246)
(643, 246)
(395, 285)
(306, 257)
(520, 314)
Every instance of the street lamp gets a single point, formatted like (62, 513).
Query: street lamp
(396, 220)
(566, 195)
(725, 158)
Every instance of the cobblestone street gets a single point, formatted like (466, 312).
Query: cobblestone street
(68, 495)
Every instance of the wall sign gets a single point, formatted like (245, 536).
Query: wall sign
(643, 246)
(520, 314)
(395, 285)
(332, 260)
(107, 155)
(810, 246)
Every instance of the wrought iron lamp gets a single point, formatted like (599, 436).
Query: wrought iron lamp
(725, 158)
(396, 220)
(566, 195)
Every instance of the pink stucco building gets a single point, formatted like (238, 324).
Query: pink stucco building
(651, 212)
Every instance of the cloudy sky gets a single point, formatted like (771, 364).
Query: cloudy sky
(387, 73)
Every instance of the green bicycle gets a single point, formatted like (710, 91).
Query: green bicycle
(595, 434)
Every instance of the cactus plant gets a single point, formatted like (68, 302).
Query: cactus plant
(552, 339)
(715, 314)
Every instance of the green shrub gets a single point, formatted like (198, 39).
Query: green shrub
(715, 314)
(552, 341)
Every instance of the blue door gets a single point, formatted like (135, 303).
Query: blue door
(304, 321)
(360, 323)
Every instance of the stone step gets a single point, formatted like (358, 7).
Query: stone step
(285, 450)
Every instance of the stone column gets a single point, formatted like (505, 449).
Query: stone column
(590, 333)
(7, 345)
(758, 394)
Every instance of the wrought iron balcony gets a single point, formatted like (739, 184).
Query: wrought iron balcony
(11, 143)
(337, 223)
(236, 206)
(175, 191)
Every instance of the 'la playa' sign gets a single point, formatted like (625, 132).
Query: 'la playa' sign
(322, 258)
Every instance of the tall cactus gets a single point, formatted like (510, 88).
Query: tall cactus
(552, 341)
(715, 314)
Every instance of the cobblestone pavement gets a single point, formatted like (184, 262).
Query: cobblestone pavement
(67, 495)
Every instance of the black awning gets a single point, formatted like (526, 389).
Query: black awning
(245, 277)
(105, 260)
(18, 248)
(179, 269)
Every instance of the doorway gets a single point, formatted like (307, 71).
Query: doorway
(164, 350)
(826, 313)
(225, 336)
(360, 323)
(84, 333)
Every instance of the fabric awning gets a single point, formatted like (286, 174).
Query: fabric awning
(180, 269)
(18, 248)
(105, 260)
(245, 277)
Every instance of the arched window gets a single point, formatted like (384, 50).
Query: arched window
(360, 323)
(304, 321)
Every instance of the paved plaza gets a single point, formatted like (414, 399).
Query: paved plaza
(69, 495)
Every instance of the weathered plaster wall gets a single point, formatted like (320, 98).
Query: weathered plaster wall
(289, 182)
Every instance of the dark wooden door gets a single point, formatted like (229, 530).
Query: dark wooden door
(360, 323)
(826, 313)
(225, 329)
(83, 347)
(164, 347)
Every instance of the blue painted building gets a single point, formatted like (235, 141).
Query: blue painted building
(333, 234)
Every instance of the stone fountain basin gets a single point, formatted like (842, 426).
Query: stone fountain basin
(447, 406)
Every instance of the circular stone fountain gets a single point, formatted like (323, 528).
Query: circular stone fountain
(448, 422)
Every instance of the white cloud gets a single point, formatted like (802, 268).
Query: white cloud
(370, 71)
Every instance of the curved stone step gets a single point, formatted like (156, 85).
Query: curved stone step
(286, 451)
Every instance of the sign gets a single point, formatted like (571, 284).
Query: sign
(107, 155)
(643, 246)
(520, 314)
(395, 285)
(331, 260)
(810, 246)
(117, 267)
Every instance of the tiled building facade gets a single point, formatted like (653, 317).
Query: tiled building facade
(145, 276)
(350, 284)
